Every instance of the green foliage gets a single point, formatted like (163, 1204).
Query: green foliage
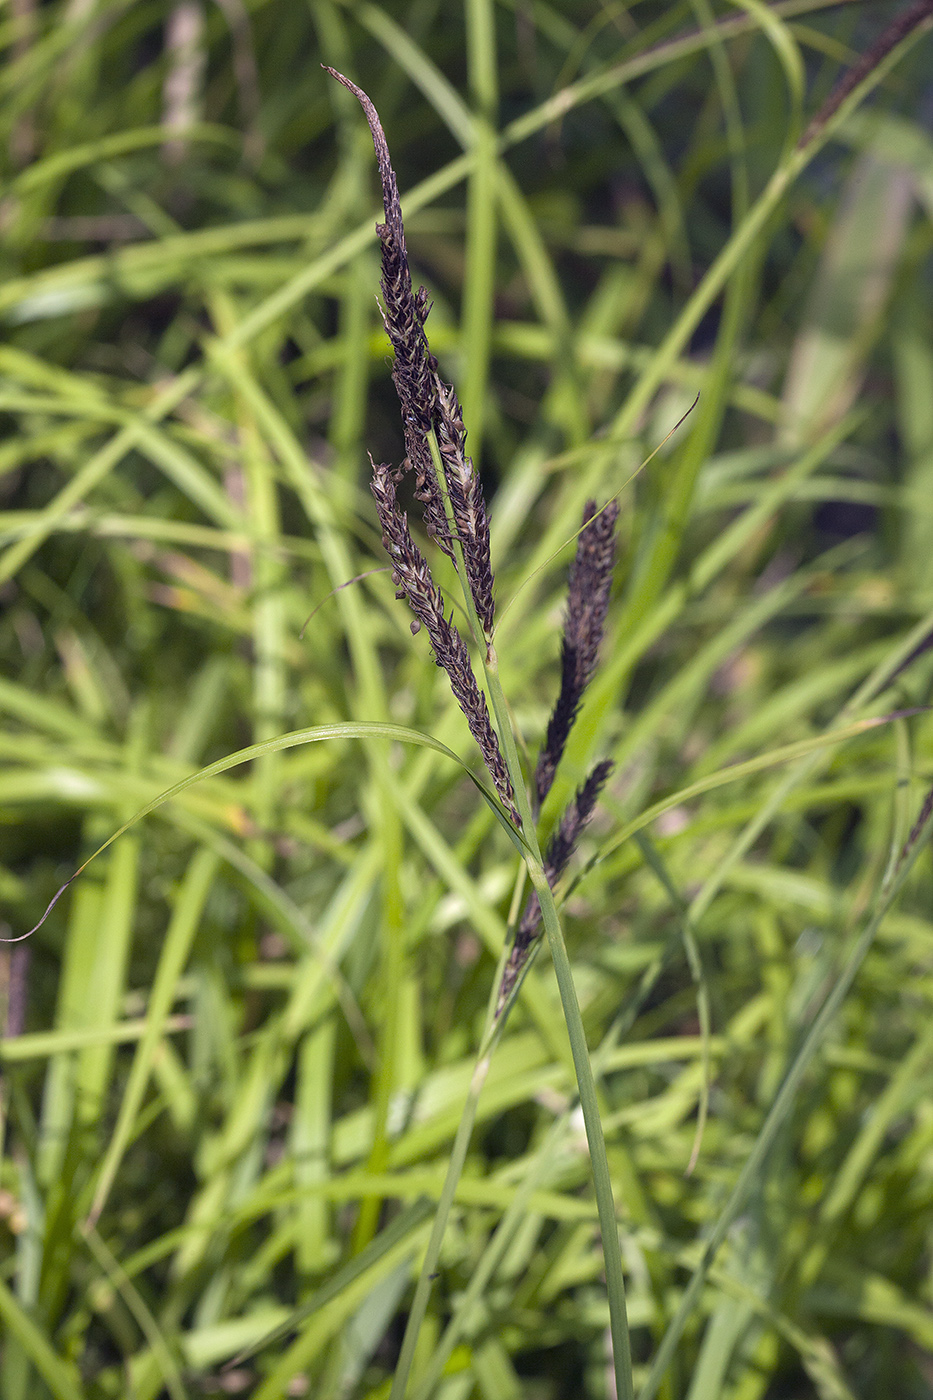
(240, 1046)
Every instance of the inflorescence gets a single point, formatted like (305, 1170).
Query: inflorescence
(455, 517)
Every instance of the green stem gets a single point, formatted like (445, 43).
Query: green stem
(432, 1254)
(520, 1203)
(492, 1030)
(586, 1084)
(599, 1161)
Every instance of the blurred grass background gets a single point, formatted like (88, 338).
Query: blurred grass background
(238, 1049)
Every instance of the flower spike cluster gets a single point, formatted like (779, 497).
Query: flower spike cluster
(412, 578)
(427, 403)
(430, 407)
(587, 603)
(448, 489)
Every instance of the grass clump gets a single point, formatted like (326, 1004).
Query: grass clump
(289, 1106)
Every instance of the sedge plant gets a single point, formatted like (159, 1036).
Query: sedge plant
(236, 1133)
(455, 517)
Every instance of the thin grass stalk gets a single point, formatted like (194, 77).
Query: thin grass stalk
(491, 1034)
(518, 1206)
(784, 1100)
(419, 1305)
(495, 1025)
(586, 1084)
(599, 1161)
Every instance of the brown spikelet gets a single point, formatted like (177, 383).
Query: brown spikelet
(559, 852)
(429, 406)
(413, 581)
(587, 603)
(404, 314)
(427, 403)
(467, 503)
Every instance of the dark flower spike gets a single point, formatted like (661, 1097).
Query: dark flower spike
(404, 316)
(559, 852)
(430, 405)
(467, 503)
(427, 403)
(587, 604)
(414, 583)
(405, 313)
